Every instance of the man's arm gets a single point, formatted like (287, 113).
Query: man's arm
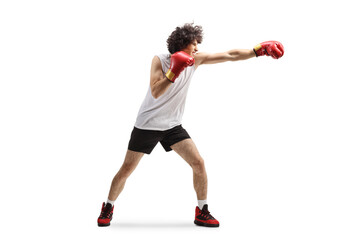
(158, 82)
(231, 55)
(269, 48)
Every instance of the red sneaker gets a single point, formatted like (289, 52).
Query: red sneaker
(105, 215)
(204, 218)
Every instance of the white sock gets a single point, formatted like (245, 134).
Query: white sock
(201, 203)
(111, 202)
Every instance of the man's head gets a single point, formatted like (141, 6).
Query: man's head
(185, 38)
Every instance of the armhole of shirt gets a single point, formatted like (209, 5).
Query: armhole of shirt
(161, 58)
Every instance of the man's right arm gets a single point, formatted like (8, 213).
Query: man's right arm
(158, 82)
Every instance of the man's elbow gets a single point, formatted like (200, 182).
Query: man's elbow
(155, 93)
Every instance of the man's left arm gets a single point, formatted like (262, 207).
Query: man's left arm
(231, 55)
(270, 48)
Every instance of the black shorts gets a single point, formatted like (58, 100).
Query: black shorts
(146, 140)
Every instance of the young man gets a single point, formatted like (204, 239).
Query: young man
(159, 117)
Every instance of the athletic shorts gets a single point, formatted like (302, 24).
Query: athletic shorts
(146, 140)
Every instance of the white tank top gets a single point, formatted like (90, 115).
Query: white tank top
(166, 111)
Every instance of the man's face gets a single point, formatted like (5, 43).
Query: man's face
(191, 49)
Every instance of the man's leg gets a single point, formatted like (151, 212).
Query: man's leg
(131, 161)
(188, 151)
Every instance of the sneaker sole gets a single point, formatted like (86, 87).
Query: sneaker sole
(103, 225)
(205, 224)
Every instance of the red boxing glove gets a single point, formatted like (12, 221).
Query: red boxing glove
(270, 48)
(179, 61)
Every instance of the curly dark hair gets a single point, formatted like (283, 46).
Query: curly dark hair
(183, 36)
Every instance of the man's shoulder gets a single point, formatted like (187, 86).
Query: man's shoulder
(163, 55)
(200, 57)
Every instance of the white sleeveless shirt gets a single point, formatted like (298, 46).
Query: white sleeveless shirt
(166, 111)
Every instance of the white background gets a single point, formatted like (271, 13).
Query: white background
(280, 138)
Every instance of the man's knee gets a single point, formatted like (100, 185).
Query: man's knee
(126, 169)
(131, 161)
(198, 165)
